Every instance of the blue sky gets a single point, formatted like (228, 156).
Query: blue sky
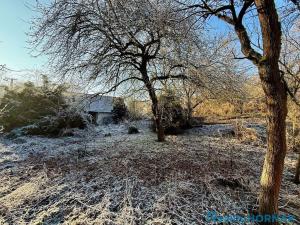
(15, 16)
(14, 23)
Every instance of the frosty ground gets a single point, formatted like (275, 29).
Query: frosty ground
(105, 176)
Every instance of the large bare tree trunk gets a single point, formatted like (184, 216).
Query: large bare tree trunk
(155, 106)
(159, 126)
(276, 150)
(157, 115)
(276, 99)
(274, 89)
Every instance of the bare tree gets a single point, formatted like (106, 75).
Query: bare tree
(109, 42)
(290, 57)
(290, 67)
(267, 62)
(208, 72)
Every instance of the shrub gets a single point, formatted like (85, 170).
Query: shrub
(133, 130)
(174, 117)
(59, 124)
(119, 112)
(196, 121)
(29, 104)
(54, 126)
(107, 135)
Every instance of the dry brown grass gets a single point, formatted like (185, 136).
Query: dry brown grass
(123, 179)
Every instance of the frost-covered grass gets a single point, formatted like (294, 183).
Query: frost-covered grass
(94, 178)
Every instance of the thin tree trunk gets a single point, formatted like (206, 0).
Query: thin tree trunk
(297, 171)
(297, 174)
(294, 133)
(189, 112)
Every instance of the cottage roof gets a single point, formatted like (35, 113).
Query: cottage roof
(101, 104)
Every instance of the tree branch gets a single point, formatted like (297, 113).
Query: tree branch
(169, 77)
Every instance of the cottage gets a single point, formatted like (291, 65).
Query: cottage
(100, 107)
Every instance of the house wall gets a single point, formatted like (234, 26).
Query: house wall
(101, 116)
